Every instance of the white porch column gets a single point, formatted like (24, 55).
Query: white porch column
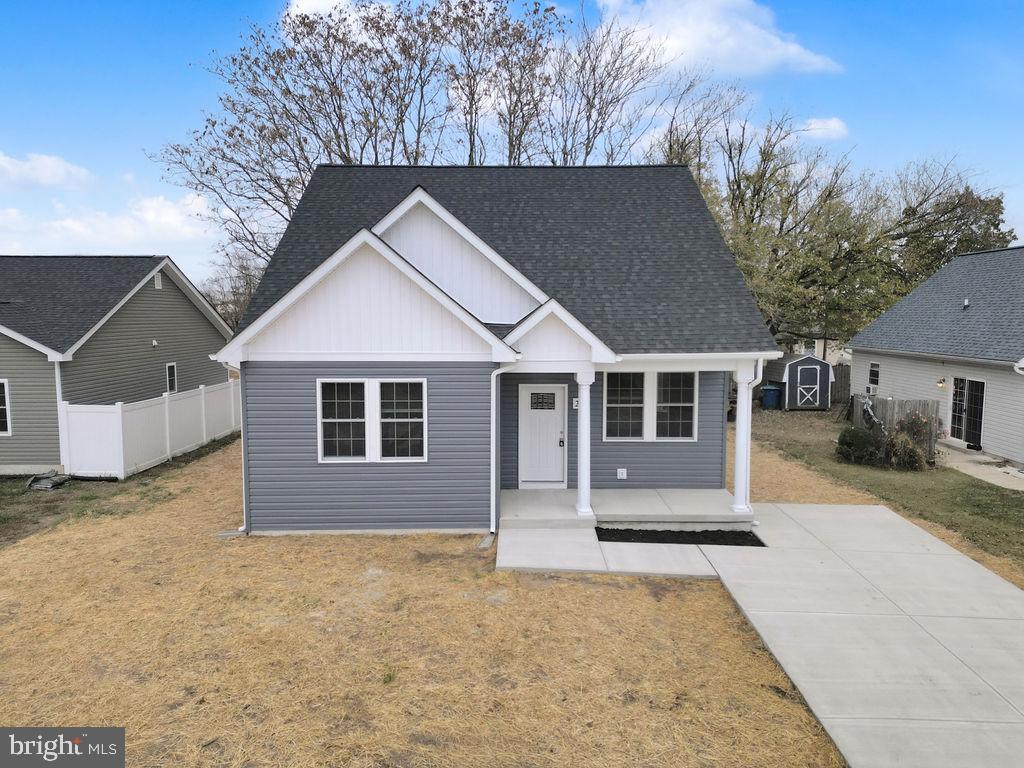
(745, 380)
(583, 509)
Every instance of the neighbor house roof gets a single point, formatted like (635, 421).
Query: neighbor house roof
(932, 319)
(56, 300)
(631, 251)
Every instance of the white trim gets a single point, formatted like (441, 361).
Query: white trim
(650, 408)
(768, 355)
(369, 356)
(372, 433)
(817, 386)
(62, 415)
(878, 379)
(234, 352)
(934, 356)
(543, 484)
(167, 378)
(604, 411)
(420, 196)
(600, 352)
(495, 403)
(7, 408)
(695, 405)
(51, 354)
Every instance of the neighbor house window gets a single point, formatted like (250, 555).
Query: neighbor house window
(5, 408)
(624, 406)
(172, 377)
(873, 370)
(676, 411)
(401, 419)
(372, 420)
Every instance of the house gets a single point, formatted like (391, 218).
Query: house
(957, 338)
(806, 381)
(93, 331)
(444, 347)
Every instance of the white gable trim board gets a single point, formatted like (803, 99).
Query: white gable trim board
(556, 334)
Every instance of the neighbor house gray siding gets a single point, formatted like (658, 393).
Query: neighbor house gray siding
(34, 440)
(699, 464)
(120, 363)
(288, 489)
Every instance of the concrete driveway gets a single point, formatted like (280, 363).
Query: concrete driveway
(909, 653)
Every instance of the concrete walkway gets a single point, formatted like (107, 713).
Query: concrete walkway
(908, 652)
(984, 467)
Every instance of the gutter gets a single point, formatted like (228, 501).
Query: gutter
(494, 441)
(934, 356)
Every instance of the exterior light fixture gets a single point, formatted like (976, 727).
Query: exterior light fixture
(941, 383)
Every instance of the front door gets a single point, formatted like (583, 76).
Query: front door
(808, 382)
(968, 411)
(542, 426)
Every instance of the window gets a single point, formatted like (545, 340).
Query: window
(372, 420)
(676, 404)
(343, 420)
(5, 408)
(873, 370)
(624, 406)
(172, 377)
(401, 419)
(542, 401)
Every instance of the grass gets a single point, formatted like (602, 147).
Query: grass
(24, 512)
(987, 516)
(373, 651)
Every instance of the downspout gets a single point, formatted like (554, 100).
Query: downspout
(495, 404)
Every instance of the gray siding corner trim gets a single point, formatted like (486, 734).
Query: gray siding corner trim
(120, 363)
(698, 464)
(287, 489)
(34, 442)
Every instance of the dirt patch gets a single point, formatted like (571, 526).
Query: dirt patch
(367, 651)
(642, 536)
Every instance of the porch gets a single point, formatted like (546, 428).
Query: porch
(664, 508)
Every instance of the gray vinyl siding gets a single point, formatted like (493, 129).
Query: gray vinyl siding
(34, 440)
(120, 363)
(287, 489)
(699, 464)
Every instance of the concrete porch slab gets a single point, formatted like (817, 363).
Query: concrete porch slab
(556, 549)
(541, 509)
(632, 503)
(634, 559)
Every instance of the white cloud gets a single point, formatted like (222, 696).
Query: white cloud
(40, 171)
(734, 37)
(826, 128)
(313, 6)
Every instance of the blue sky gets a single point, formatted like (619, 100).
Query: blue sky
(88, 88)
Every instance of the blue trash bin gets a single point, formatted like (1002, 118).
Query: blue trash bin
(771, 397)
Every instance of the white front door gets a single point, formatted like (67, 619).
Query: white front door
(542, 428)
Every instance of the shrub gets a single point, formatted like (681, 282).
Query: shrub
(917, 427)
(901, 452)
(858, 446)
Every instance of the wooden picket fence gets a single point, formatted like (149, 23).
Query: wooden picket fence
(891, 412)
(841, 384)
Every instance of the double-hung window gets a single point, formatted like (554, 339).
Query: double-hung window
(5, 408)
(374, 420)
(874, 369)
(676, 406)
(172, 378)
(650, 405)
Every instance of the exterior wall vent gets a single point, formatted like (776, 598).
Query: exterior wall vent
(158, 281)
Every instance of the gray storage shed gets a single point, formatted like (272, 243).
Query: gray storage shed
(806, 381)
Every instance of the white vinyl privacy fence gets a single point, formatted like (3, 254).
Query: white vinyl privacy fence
(122, 439)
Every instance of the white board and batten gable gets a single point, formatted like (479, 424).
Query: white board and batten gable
(552, 335)
(366, 303)
(451, 255)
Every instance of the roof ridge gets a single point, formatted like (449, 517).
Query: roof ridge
(83, 256)
(992, 250)
(604, 166)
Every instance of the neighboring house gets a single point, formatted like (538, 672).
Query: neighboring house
(429, 343)
(93, 330)
(806, 381)
(957, 338)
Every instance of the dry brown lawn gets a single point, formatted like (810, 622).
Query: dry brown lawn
(372, 650)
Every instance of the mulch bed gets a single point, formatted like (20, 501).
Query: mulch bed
(643, 536)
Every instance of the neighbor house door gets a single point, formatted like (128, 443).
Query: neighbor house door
(808, 385)
(968, 411)
(542, 435)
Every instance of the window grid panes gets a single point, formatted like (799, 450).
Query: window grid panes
(172, 378)
(676, 405)
(401, 419)
(5, 419)
(343, 413)
(873, 374)
(624, 401)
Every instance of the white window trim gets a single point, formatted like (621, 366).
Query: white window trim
(167, 378)
(372, 419)
(650, 409)
(877, 366)
(654, 398)
(7, 405)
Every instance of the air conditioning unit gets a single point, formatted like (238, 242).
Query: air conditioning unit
(871, 389)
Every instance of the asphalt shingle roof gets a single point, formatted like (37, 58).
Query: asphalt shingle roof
(631, 251)
(55, 300)
(931, 319)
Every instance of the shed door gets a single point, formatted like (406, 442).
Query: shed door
(808, 386)
(542, 425)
